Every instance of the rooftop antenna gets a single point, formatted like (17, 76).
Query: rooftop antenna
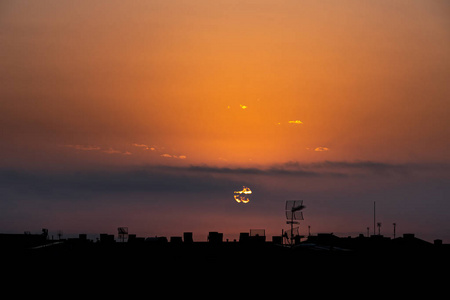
(122, 233)
(294, 214)
(379, 227)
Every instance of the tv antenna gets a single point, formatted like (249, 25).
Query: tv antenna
(294, 214)
(122, 233)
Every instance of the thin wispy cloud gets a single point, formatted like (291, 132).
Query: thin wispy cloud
(147, 147)
(97, 148)
(83, 147)
(141, 146)
(322, 149)
(159, 150)
(166, 155)
(114, 151)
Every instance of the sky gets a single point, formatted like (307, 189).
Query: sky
(150, 114)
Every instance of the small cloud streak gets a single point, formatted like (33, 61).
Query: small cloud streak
(295, 122)
(83, 147)
(322, 149)
(97, 148)
(114, 151)
(141, 146)
(166, 155)
(243, 106)
(144, 146)
(159, 149)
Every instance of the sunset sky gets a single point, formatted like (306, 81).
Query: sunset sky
(150, 114)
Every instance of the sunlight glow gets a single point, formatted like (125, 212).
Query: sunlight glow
(241, 196)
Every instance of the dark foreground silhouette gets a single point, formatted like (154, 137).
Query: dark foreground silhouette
(319, 265)
(320, 249)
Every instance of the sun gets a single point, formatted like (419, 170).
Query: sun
(242, 196)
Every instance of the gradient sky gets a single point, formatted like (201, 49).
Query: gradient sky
(150, 114)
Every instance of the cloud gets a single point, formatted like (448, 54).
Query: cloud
(80, 184)
(166, 155)
(330, 169)
(295, 122)
(321, 149)
(243, 106)
(369, 167)
(141, 146)
(114, 151)
(159, 149)
(274, 170)
(97, 148)
(147, 147)
(193, 179)
(83, 147)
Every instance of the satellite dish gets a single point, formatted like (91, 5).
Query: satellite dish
(293, 215)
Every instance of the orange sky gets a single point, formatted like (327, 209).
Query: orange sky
(368, 81)
(223, 83)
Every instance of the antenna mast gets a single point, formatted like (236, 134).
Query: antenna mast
(373, 217)
(122, 233)
(293, 213)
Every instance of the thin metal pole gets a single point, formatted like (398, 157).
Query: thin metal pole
(292, 229)
(373, 217)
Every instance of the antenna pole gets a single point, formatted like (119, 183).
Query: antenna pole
(373, 217)
(293, 212)
(292, 229)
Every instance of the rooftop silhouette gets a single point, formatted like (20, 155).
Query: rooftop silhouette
(322, 244)
(321, 256)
